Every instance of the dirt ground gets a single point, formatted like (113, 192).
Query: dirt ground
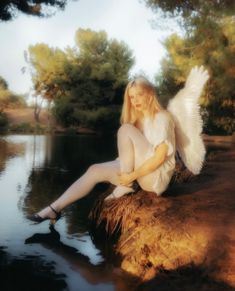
(26, 115)
(185, 237)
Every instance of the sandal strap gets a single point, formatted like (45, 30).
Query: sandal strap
(56, 212)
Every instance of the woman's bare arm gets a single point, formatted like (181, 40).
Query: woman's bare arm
(152, 163)
(147, 167)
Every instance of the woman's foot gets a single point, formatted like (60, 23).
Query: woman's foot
(118, 192)
(48, 213)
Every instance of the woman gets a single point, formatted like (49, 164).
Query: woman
(146, 148)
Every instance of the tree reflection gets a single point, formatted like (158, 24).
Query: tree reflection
(9, 150)
(29, 273)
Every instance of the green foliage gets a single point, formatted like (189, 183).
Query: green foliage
(101, 58)
(188, 9)
(209, 40)
(104, 119)
(211, 44)
(26, 127)
(23, 127)
(91, 76)
(8, 99)
(63, 111)
(48, 70)
(11, 100)
(9, 8)
(71, 130)
(3, 84)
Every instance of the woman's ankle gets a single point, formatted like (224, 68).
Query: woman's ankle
(47, 212)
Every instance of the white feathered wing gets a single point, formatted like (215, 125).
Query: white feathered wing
(188, 122)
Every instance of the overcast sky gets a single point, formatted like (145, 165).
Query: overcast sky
(129, 21)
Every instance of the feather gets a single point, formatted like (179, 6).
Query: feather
(185, 110)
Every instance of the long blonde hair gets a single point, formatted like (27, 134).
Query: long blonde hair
(129, 114)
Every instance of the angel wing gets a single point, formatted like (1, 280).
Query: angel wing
(185, 110)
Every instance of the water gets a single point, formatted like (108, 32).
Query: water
(34, 170)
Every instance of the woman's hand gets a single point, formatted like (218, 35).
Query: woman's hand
(126, 179)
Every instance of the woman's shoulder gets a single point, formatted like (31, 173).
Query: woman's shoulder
(159, 117)
(164, 116)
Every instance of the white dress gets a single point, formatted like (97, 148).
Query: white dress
(158, 130)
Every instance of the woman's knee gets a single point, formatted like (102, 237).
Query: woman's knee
(105, 172)
(98, 172)
(94, 169)
(125, 128)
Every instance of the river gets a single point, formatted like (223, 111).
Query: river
(34, 170)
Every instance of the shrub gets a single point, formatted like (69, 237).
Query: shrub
(23, 127)
(103, 119)
(26, 127)
(71, 131)
(3, 121)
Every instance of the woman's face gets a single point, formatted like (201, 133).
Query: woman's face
(138, 98)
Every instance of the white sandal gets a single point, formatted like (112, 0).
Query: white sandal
(110, 196)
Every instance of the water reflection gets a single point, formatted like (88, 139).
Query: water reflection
(33, 269)
(30, 179)
(34, 170)
(9, 150)
(93, 273)
(67, 159)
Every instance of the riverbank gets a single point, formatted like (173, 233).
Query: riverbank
(22, 121)
(184, 238)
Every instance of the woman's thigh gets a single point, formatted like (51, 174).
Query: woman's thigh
(142, 152)
(146, 182)
(142, 147)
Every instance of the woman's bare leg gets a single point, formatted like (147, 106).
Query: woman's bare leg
(132, 147)
(96, 173)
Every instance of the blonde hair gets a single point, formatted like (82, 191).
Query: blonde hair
(129, 114)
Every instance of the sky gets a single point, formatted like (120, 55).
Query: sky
(128, 21)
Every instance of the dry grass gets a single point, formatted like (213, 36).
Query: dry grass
(193, 223)
(26, 115)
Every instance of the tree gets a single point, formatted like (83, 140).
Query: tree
(82, 79)
(3, 84)
(105, 63)
(47, 71)
(8, 99)
(208, 40)
(193, 8)
(9, 8)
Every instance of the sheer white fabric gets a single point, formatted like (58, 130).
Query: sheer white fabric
(159, 130)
